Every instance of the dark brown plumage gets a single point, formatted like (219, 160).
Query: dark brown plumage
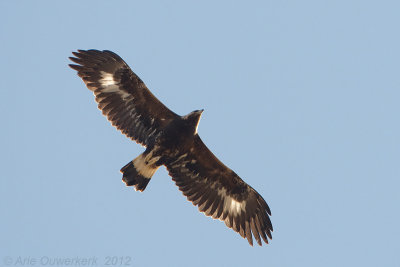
(171, 140)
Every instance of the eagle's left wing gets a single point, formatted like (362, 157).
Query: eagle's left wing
(220, 193)
(122, 96)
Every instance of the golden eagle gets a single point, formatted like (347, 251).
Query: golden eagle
(173, 141)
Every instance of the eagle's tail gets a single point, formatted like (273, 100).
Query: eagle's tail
(139, 171)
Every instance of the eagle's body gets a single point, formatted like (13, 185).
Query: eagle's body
(171, 140)
(176, 139)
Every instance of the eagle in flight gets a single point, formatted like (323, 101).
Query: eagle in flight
(171, 140)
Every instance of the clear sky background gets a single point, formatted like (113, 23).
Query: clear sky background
(301, 99)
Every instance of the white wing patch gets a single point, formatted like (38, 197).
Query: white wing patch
(107, 79)
(110, 85)
(230, 203)
(237, 207)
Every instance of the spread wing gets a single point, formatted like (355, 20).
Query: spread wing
(220, 193)
(122, 96)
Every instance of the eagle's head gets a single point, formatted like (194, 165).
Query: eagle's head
(193, 119)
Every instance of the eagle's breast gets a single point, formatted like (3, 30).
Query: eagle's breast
(178, 135)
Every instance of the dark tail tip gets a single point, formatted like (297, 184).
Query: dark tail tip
(132, 178)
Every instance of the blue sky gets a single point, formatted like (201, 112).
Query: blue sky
(301, 99)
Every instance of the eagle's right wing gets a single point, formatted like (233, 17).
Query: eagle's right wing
(122, 96)
(221, 193)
